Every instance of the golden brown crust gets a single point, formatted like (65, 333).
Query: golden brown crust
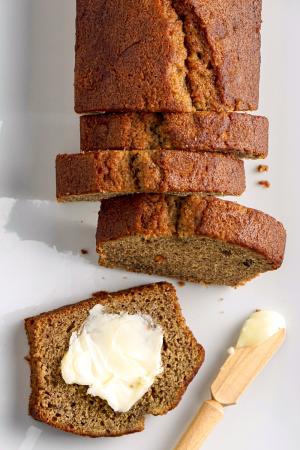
(242, 134)
(151, 215)
(232, 30)
(130, 300)
(96, 175)
(168, 56)
(117, 50)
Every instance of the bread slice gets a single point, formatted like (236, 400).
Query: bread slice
(243, 135)
(167, 55)
(198, 239)
(96, 175)
(68, 407)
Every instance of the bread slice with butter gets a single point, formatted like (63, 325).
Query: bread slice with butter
(68, 406)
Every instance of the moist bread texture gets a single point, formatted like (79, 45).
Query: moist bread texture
(68, 407)
(97, 175)
(167, 55)
(198, 239)
(239, 134)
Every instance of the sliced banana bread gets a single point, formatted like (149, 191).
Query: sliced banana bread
(194, 238)
(96, 175)
(69, 407)
(240, 134)
(167, 55)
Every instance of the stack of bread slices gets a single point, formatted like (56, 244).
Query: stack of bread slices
(162, 88)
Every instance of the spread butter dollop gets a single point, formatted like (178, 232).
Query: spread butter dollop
(117, 355)
(260, 326)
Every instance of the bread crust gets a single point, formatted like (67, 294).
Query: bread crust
(240, 134)
(163, 215)
(168, 56)
(124, 297)
(96, 175)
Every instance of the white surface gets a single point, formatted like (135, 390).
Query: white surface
(40, 262)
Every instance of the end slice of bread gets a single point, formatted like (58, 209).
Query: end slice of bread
(68, 407)
(198, 239)
(97, 175)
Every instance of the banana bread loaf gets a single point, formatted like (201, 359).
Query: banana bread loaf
(243, 135)
(198, 239)
(167, 55)
(68, 406)
(97, 175)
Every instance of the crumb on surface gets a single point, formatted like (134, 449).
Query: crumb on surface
(181, 283)
(264, 183)
(125, 278)
(159, 259)
(221, 312)
(83, 251)
(262, 168)
(221, 299)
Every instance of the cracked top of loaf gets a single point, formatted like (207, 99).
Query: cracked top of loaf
(168, 56)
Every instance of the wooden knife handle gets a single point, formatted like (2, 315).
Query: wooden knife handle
(206, 418)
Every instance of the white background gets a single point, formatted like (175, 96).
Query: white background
(40, 262)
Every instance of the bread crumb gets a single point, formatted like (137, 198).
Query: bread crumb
(262, 168)
(159, 259)
(264, 183)
(124, 278)
(221, 299)
(181, 283)
(221, 312)
(83, 251)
